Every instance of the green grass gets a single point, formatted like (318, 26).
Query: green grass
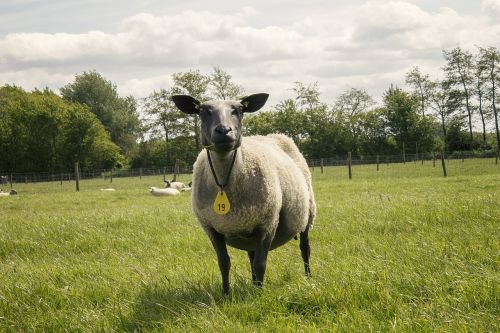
(402, 249)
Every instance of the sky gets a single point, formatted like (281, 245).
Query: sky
(265, 45)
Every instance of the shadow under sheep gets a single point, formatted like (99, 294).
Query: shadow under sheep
(160, 303)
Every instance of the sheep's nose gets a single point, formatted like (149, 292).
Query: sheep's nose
(221, 129)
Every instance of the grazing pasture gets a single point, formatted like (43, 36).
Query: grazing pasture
(401, 249)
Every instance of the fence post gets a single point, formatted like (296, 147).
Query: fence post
(349, 161)
(378, 160)
(433, 159)
(416, 152)
(496, 158)
(176, 169)
(321, 164)
(111, 175)
(443, 164)
(140, 173)
(164, 174)
(404, 154)
(77, 177)
(61, 178)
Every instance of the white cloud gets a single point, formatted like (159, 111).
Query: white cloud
(493, 5)
(367, 46)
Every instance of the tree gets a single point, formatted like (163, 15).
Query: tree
(307, 95)
(490, 57)
(349, 106)
(445, 101)
(421, 85)
(39, 131)
(195, 84)
(163, 118)
(481, 79)
(118, 115)
(404, 121)
(459, 72)
(221, 86)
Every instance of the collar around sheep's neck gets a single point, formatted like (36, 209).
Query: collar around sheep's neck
(228, 174)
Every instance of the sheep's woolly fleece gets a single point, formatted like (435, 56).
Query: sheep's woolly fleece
(269, 175)
(163, 192)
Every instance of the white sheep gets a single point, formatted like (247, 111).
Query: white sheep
(177, 185)
(163, 192)
(251, 193)
(108, 190)
(6, 194)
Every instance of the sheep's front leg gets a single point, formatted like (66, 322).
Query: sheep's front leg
(251, 256)
(260, 259)
(219, 244)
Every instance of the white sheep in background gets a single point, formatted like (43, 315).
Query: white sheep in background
(108, 190)
(163, 192)
(177, 185)
(268, 186)
(6, 194)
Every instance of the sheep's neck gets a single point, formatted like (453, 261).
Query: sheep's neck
(222, 163)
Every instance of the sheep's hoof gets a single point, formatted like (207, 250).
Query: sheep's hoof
(258, 284)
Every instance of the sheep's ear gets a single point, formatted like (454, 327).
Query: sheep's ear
(254, 102)
(187, 104)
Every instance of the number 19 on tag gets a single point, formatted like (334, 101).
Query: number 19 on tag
(221, 203)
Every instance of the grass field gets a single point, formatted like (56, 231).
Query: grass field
(402, 249)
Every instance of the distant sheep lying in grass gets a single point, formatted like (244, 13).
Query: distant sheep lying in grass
(251, 193)
(177, 185)
(163, 192)
(6, 194)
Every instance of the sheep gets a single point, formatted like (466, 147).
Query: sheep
(108, 190)
(163, 192)
(6, 194)
(252, 193)
(177, 185)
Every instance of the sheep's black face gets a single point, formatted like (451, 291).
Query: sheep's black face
(221, 125)
(220, 120)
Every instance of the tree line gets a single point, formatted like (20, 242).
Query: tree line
(89, 122)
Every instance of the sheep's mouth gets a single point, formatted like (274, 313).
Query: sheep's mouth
(225, 144)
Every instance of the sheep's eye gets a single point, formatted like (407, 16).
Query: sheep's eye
(206, 112)
(236, 111)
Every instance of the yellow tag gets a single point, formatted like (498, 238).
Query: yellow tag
(221, 203)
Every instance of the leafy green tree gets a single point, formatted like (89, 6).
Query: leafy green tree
(195, 84)
(445, 101)
(42, 132)
(404, 121)
(163, 119)
(373, 136)
(221, 86)
(480, 89)
(490, 57)
(349, 106)
(118, 115)
(421, 85)
(459, 72)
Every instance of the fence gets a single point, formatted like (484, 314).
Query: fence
(343, 167)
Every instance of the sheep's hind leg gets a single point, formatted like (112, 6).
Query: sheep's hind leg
(260, 260)
(251, 256)
(219, 244)
(305, 249)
